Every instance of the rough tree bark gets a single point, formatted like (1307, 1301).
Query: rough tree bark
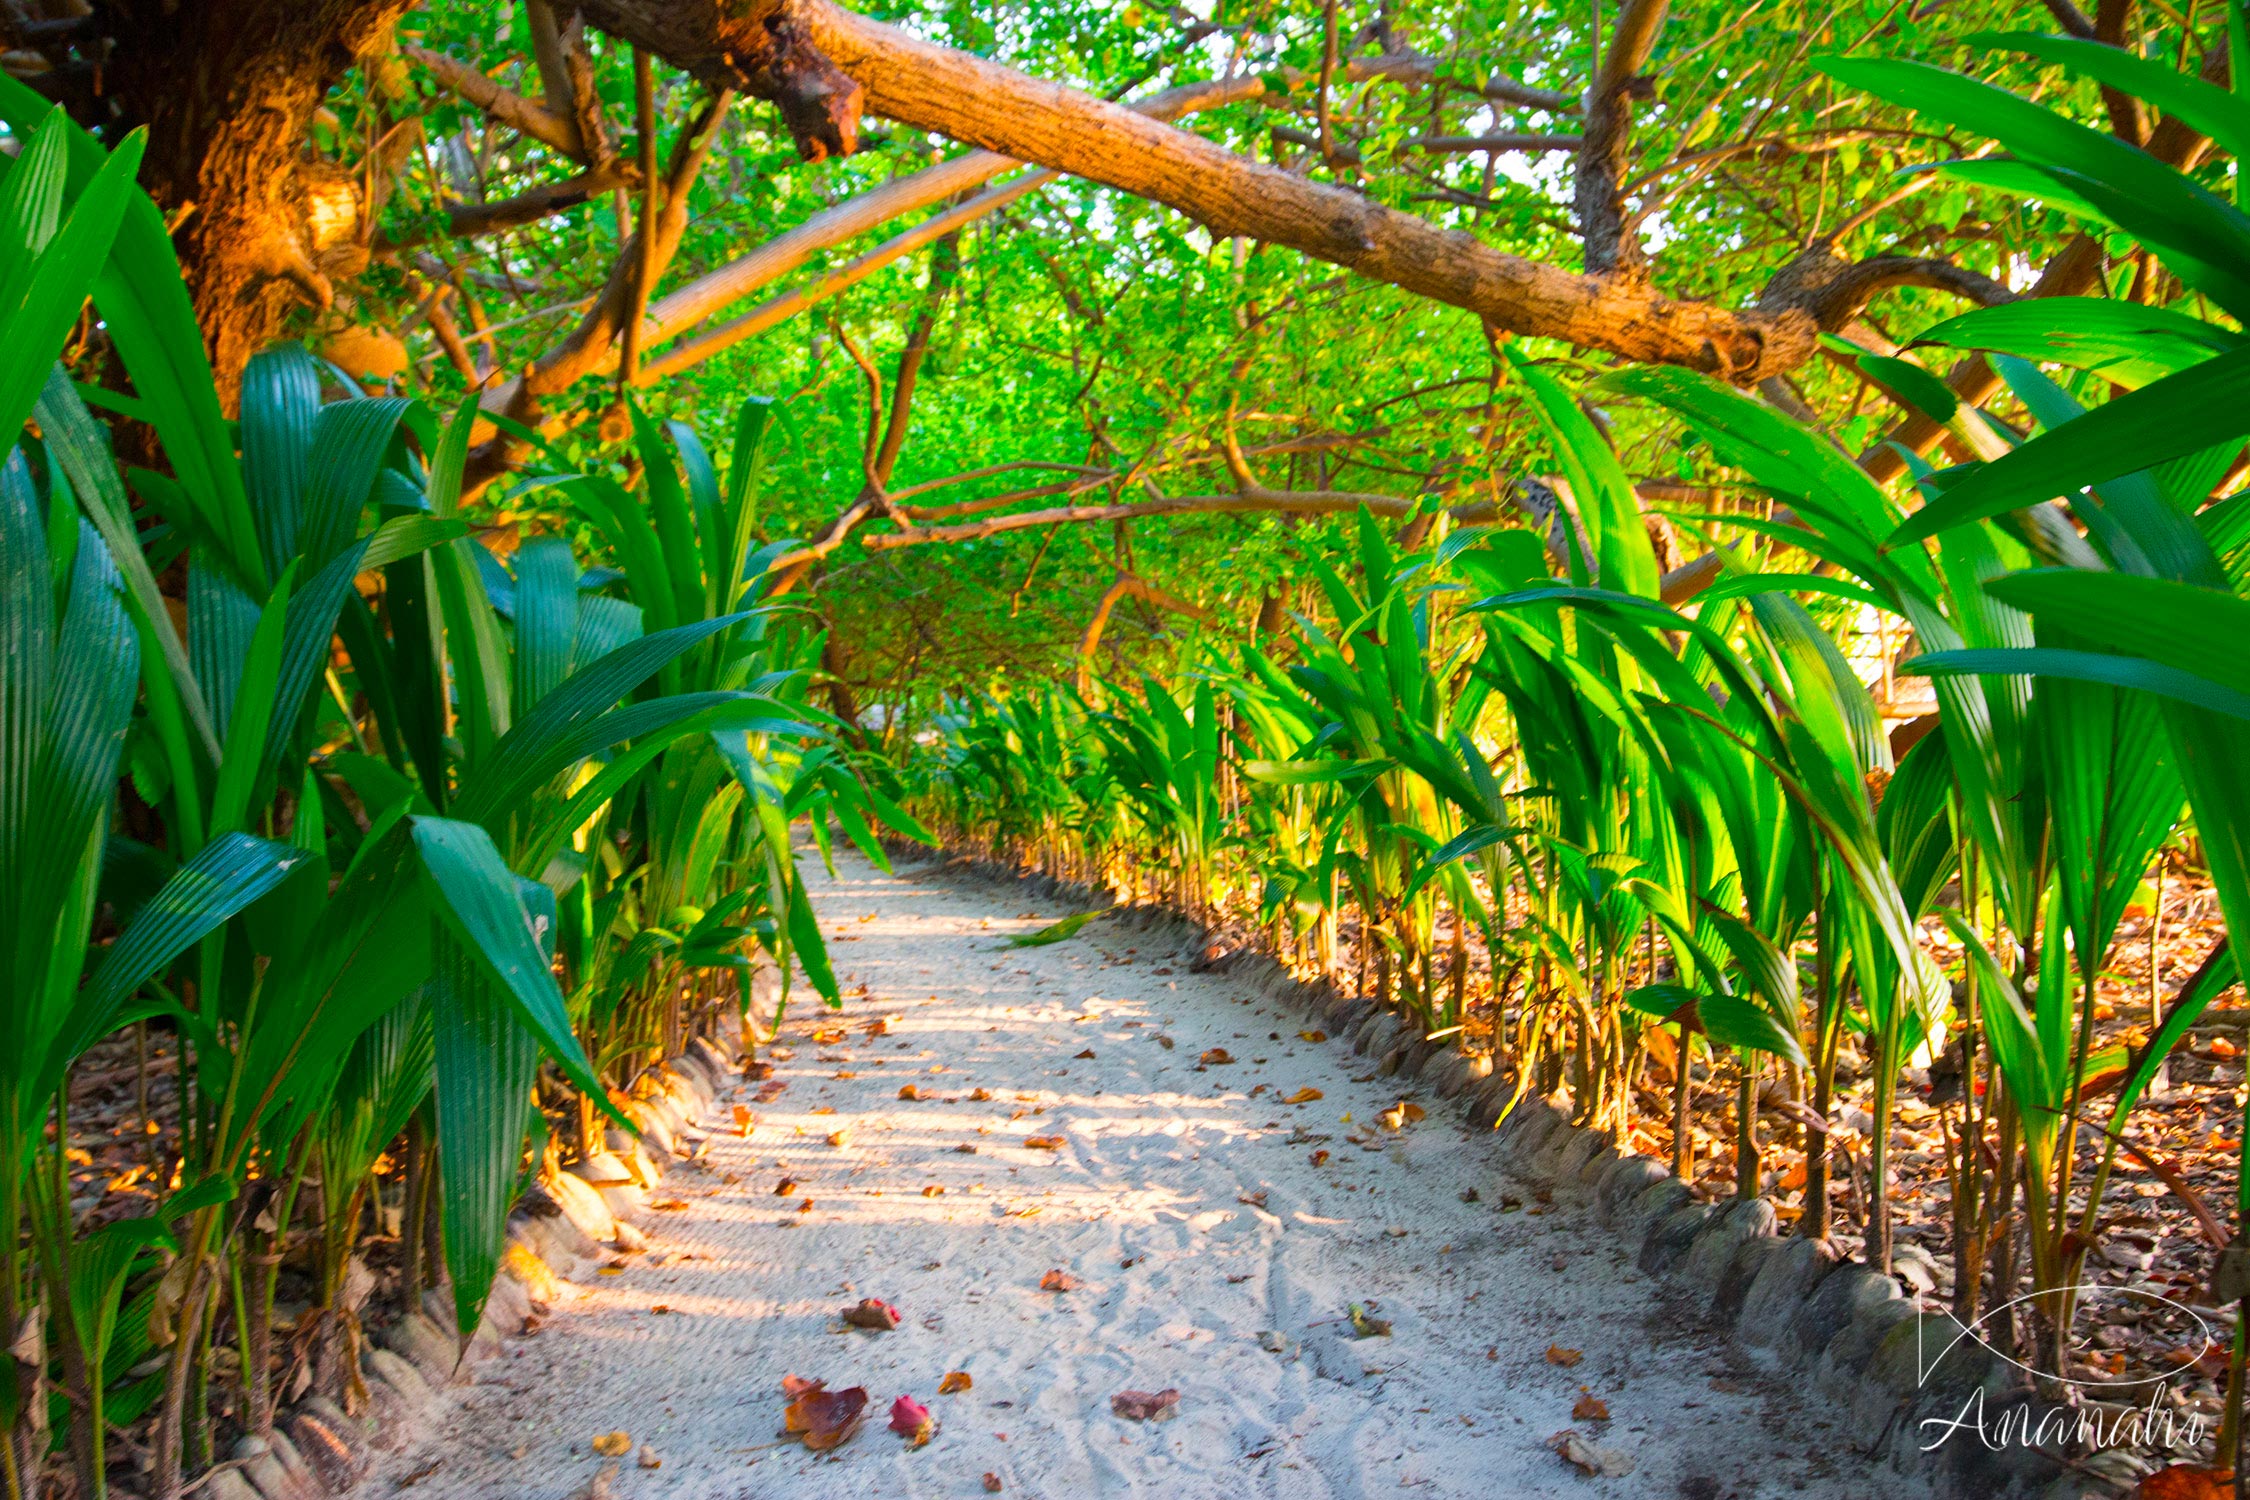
(228, 93)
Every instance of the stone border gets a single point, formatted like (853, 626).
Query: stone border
(1839, 1330)
(567, 1219)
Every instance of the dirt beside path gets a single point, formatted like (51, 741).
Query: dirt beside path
(1218, 1237)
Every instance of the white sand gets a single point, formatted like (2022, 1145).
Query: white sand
(1144, 1204)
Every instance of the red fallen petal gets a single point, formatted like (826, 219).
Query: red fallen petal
(911, 1419)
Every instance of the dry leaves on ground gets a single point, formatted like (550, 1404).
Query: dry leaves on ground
(909, 1091)
(2187, 1482)
(1216, 1056)
(1589, 1407)
(1367, 1326)
(613, 1444)
(1312, 1036)
(1145, 1406)
(911, 1420)
(1591, 1459)
(1059, 1281)
(1558, 1355)
(954, 1383)
(1304, 1096)
(822, 1418)
(991, 1484)
(743, 1119)
(1044, 1142)
(872, 1313)
(1403, 1114)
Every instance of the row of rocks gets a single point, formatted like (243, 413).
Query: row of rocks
(1841, 1331)
(568, 1218)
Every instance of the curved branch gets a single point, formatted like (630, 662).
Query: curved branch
(971, 99)
(1833, 291)
(1125, 586)
(511, 109)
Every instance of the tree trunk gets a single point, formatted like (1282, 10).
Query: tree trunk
(228, 93)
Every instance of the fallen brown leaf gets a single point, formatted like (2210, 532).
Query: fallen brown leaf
(955, 1381)
(839, 1137)
(825, 1419)
(613, 1444)
(1304, 1096)
(909, 1091)
(1312, 1036)
(1044, 1142)
(980, 1096)
(1059, 1281)
(991, 1484)
(743, 1119)
(1145, 1406)
(1085, 1056)
(1589, 1408)
(785, 1187)
(1558, 1355)
(934, 1190)
(872, 1313)
(2186, 1482)
(1319, 1157)
(1217, 1056)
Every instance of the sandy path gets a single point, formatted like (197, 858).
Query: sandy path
(1153, 1203)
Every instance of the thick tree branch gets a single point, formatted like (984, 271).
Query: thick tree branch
(542, 124)
(470, 220)
(1598, 192)
(1125, 586)
(968, 98)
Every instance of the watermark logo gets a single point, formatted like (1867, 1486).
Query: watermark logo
(2120, 1412)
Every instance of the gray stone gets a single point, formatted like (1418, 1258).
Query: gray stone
(1925, 1358)
(1837, 1373)
(262, 1468)
(1570, 1166)
(1598, 1161)
(1732, 1286)
(1963, 1467)
(1656, 1203)
(1713, 1250)
(1449, 1076)
(1363, 1036)
(292, 1462)
(400, 1376)
(1486, 1101)
(228, 1484)
(1831, 1307)
(1668, 1238)
(1781, 1288)
(1394, 1060)
(424, 1344)
(1522, 1134)
(582, 1205)
(331, 1453)
(1546, 1164)
(1622, 1183)
(715, 1062)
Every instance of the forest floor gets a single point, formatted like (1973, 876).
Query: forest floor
(1073, 1116)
